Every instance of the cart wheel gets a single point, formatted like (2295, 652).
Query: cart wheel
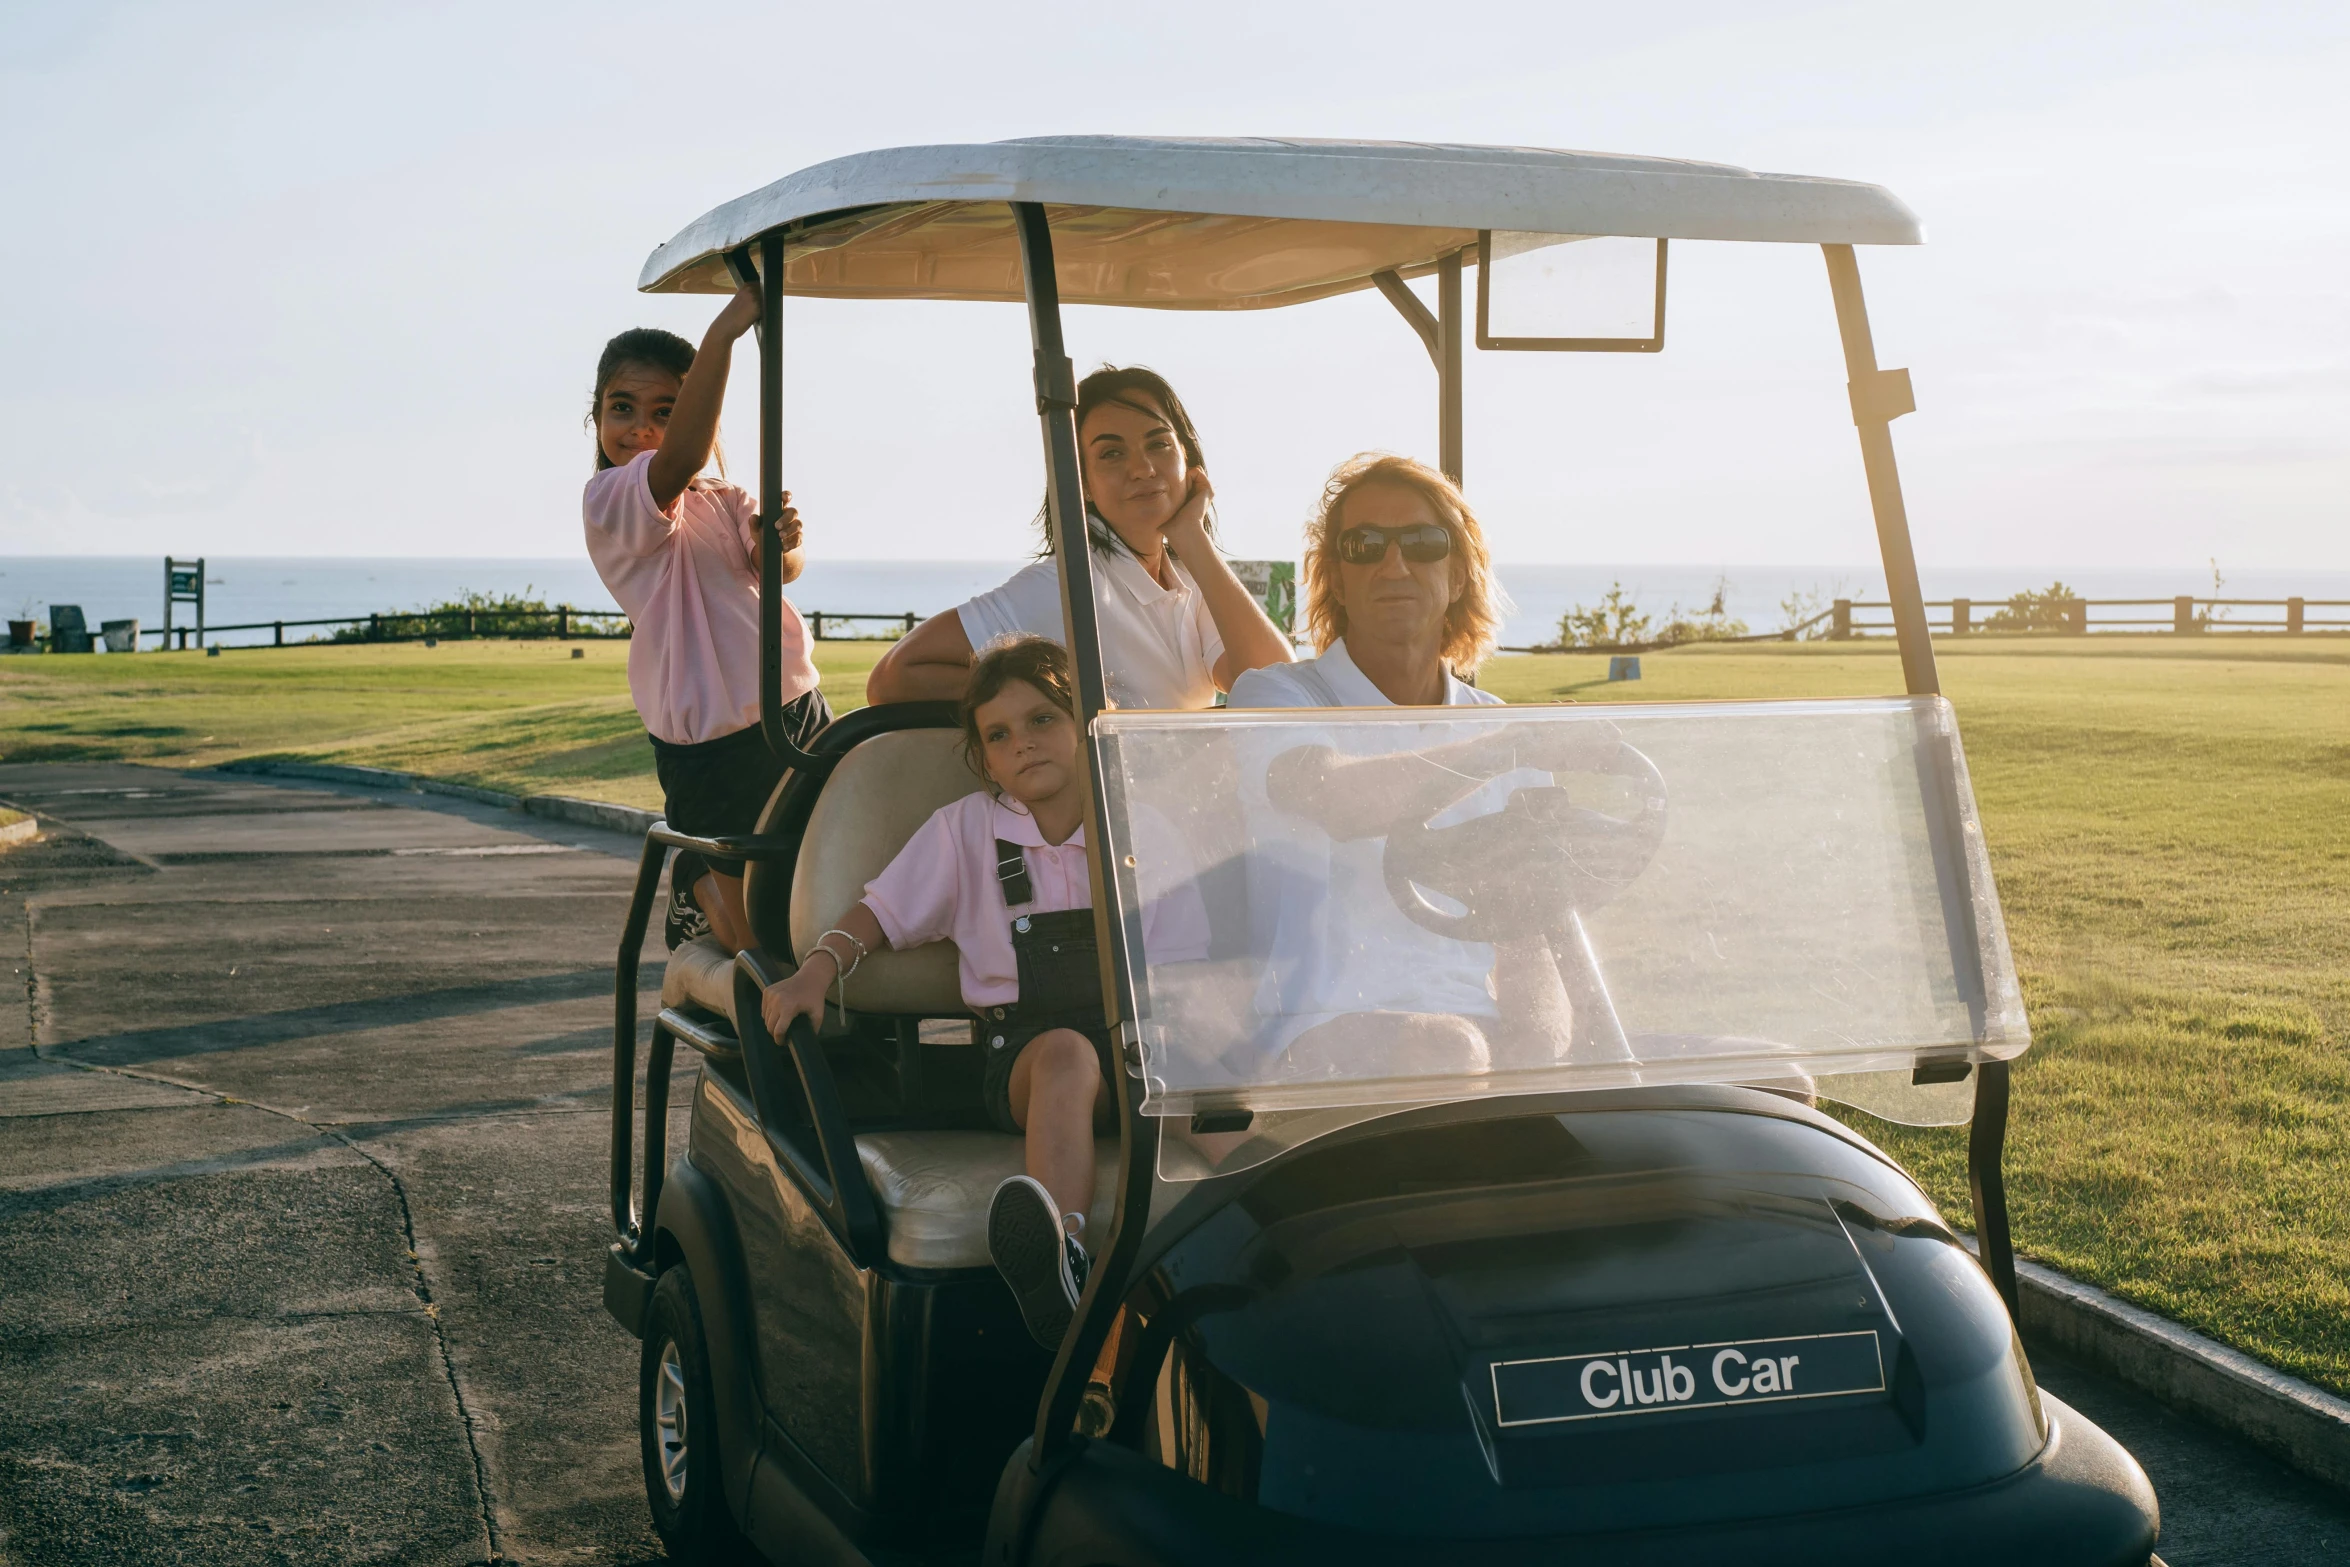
(676, 1419)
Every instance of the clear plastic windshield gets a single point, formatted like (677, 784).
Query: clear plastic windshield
(1357, 907)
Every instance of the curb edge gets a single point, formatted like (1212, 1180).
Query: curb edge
(556, 807)
(2298, 1424)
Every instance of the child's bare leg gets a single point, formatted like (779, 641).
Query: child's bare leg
(721, 900)
(1056, 1088)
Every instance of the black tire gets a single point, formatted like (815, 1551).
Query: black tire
(678, 1431)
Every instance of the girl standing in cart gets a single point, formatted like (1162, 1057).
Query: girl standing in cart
(1003, 874)
(1176, 625)
(680, 553)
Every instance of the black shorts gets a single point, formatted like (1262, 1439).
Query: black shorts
(720, 786)
(1003, 1032)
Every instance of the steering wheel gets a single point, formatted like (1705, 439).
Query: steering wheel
(1527, 866)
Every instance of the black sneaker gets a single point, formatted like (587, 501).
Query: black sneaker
(1037, 1258)
(682, 920)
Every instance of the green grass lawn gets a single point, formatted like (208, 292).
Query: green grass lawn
(2169, 822)
(521, 716)
(2169, 819)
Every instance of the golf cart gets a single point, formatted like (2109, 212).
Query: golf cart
(1544, 1251)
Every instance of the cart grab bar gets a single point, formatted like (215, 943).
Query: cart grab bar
(629, 1221)
(834, 1179)
(705, 1036)
(726, 846)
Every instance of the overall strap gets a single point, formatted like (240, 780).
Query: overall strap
(1011, 873)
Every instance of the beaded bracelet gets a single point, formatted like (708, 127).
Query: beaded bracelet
(842, 970)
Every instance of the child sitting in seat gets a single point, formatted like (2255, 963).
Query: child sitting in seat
(679, 552)
(1003, 874)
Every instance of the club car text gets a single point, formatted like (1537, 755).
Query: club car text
(1686, 1376)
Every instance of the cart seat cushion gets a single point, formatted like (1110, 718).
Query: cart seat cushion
(701, 972)
(934, 1187)
(877, 796)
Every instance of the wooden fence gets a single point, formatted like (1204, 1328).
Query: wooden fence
(1963, 617)
(559, 621)
(2186, 615)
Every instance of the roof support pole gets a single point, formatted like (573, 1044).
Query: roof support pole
(1440, 333)
(1105, 1289)
(1416, 315)
(1878, 398)
(1448, 369)
(1064, 484)
(767, 275)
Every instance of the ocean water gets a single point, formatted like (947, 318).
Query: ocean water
(247, 589)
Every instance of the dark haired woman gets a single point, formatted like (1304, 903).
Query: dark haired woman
(1030, 978)
(679, 552)
(1177, 626)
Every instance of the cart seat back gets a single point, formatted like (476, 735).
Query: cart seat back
(932, 1187)
(876, 798)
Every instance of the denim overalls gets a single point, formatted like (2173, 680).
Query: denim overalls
(1060, 985)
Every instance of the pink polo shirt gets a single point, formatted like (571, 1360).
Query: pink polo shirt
(686, 579)
(943, 886)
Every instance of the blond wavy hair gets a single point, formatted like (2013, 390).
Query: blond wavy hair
(1472, 625)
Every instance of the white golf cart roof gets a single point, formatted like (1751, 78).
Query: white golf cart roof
(1231, 223)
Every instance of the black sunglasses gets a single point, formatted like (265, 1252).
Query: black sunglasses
(1423, 543)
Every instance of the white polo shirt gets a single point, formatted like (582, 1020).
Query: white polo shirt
(1159, 645)
(1333, 680)
(1335, 940)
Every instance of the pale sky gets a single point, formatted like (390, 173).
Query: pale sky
(309, 280)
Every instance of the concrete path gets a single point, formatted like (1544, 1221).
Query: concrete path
(302, 1120)
(301, 1186)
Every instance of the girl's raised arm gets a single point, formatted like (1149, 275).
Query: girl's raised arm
(693, 420)
(1251, 640)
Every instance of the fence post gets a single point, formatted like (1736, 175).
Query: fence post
(469, 623)
(2076, 617)
(1962, 616)
(563, 621)
(909, 624)
(1840, 626)
(2182, 614)
(2292, 614)
(816, 625)
(281, 634)
(375, 627)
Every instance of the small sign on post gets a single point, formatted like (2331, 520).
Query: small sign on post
(183, 583)
(1273, 583)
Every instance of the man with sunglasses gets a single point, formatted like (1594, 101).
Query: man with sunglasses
(1401, 603)
(1400, 598)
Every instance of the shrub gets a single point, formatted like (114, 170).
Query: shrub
(2033, 611)
(1714, 623)
(1613, 622)
(505, 615)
